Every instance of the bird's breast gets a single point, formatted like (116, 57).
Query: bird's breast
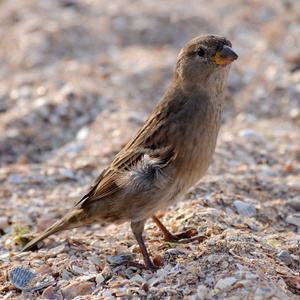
(197, 147)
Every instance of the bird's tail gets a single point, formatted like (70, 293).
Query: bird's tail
(67, 222)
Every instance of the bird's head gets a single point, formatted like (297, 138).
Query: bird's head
(205, 61)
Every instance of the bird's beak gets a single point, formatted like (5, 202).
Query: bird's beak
(225, 56)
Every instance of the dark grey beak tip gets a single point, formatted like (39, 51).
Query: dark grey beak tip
(228, 52)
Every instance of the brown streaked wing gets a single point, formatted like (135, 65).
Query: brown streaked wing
(130, 155)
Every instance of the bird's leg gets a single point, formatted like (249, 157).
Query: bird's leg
(183, 237)
(137, 229)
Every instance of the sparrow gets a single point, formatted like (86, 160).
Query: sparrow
(168, 155)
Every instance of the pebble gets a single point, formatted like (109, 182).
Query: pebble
(293, 219)
(293, 183)
(41, 90)
(22, 160)
(106, 294)
(50, 295)
(67, 174)
(202, 292)
(77, 271)
(158, 260)
(65, 275)
(138, 278)
(224, 283)
(44, 269)
(14, 178)
(56, 250)
(281, 282)
(25, 91)
(3, 223)
(145, 287)
(83, 133)
(249, 276)
(294, 113)
(244, 208)
(99, 279)
(77, 289)
(239, 266)
(209, 281)
(172, 251)
(266, 170)
(119, 259)
(41, 101)
(264, 293)
(249, 133)
(286, 257)
(12, 133)
(94, 259)
(295, 204)
(5, 256)
(192, 269)
(74, 148)
(85, 278)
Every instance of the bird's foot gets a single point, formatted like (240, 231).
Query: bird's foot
(152, 267)
(183, 237)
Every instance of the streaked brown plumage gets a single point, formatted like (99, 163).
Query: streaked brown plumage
(169, 154)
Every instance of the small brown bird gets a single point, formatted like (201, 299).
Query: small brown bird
(168, 155)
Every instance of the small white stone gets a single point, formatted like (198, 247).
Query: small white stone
(249, 133)
(202, 292)
(281, 282)
(224, 283)
(244, 208)
(251, 276)
(3, 223)
(56, 250)
(83, 133)
(211, 242)
(293, 219)
(138, 278)
(99, 279)
(106, 294)
(14, 178)
(285, 256)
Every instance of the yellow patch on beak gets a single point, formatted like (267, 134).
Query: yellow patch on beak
(217, 59)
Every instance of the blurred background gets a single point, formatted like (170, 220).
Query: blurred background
(92, 71)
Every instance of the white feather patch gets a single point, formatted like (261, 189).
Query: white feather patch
(145, 175)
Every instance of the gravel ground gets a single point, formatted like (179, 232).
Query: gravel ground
(77, 81)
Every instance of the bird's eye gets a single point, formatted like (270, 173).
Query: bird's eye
(200, 51)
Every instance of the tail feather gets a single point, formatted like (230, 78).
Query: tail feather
(67, 222)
